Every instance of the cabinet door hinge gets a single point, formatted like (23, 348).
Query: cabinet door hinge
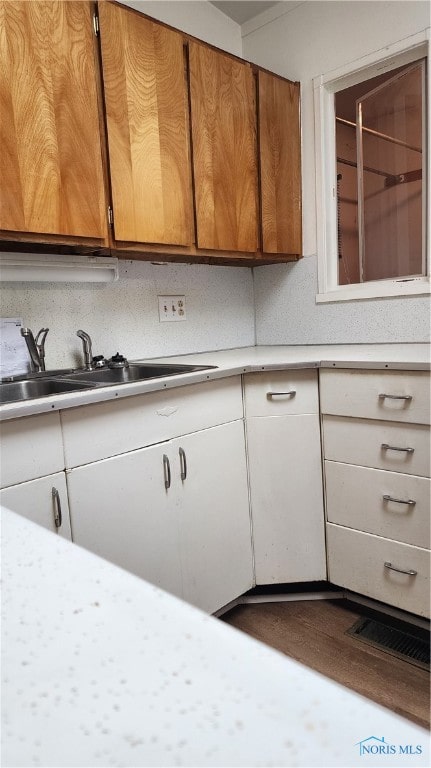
(96, 24)
(110, 216)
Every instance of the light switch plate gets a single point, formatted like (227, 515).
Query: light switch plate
(172, 309)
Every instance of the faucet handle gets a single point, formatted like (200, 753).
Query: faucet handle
(42, 334)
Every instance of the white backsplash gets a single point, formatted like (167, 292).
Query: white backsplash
(123, 316)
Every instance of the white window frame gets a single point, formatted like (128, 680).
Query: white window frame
(325, 86)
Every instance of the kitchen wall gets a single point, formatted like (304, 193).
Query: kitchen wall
(124, 316)
(311, 39)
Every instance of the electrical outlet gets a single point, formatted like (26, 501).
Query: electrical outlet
(172, 308)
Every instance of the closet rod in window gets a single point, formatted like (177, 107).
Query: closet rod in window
(366, 168)
(383, 136)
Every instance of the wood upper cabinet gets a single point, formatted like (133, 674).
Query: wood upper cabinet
(280, 164)
(223, 118)
(50, 144)
(147, 121)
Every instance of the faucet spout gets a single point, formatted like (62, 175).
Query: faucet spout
(35, 350)
(88, 352)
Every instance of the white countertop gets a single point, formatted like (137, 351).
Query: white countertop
(232, 362)
(102, 669)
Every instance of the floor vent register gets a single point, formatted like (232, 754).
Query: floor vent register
(406, 645)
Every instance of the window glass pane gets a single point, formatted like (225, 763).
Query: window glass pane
(380, 136)
(389, 124)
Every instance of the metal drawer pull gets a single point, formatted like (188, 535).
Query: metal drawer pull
(395, 397)
(410, 502)
(395, 448)
(400, 570)
(183, 463)
(291, 393)
(166, 471)
(58, 517)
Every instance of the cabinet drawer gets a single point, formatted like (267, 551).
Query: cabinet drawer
(359, 441)
(355, 498)
(357, 560)
(99, 431)
(31, 447)
(281, 393)
(360, 394)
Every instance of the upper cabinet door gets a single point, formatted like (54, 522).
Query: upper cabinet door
(148, 135)
(280, 163)
(50, 147)
(223, 111)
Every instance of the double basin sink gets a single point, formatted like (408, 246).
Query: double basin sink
(59, 382)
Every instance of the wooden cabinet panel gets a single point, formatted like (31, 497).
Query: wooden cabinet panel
(280, 164)
(50, 146)
(223, 104)
(146, 107)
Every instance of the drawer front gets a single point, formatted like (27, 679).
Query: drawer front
(99, 431)
(281, 393)
(357, 497)
(359, 441)
(385, 395)
(356, 561)
(31, 447)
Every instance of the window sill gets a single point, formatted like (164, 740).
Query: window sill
(376, 290)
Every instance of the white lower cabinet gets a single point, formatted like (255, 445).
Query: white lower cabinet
(285, 471)
(175, 514)
(376, 439)
(215, 536)
(44, 501)
(385, 570)
(287, 499)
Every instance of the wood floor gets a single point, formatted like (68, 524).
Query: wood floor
(313, 632)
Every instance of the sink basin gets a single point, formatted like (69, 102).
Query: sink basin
(29, 389)
(135, 372)
(39, 385)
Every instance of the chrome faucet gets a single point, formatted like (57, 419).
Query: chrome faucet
(36, 348)
(88, 352)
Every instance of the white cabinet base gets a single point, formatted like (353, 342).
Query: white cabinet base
(286, 499)
(36, 501)
(357, 562)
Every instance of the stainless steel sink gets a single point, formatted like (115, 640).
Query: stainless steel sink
(29, 389)
(135, 372)
(40, 385)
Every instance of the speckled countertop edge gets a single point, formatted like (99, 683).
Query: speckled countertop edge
(233, 362)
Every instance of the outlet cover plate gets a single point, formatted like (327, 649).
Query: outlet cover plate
(172, 309)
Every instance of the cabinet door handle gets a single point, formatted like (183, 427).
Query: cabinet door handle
(166, 471)
(291, 393)
(410, 502)
(183, 463)
(400, 570)
(387, 447)
(58, 517)
(384, 396)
